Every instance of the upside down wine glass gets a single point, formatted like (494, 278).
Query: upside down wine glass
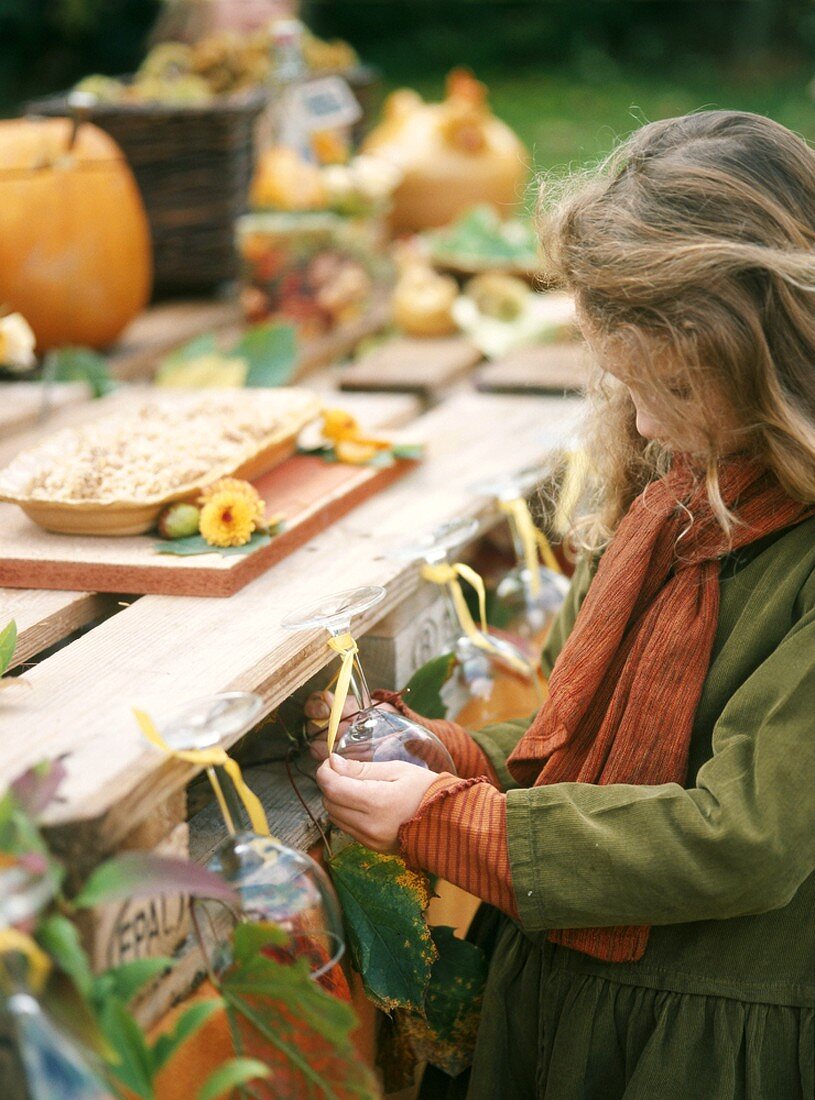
(483, 657)
(530, 593)
(276, 884)
(372, 733)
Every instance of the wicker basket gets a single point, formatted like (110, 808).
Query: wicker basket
(193, 166)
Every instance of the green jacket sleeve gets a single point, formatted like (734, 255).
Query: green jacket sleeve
(498, 739)
(741, 841)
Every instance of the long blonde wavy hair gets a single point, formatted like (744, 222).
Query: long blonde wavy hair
(691, 255)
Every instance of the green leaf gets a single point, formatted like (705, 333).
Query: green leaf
(144, 875)
(383, 903)
(125, 981)
(60, 938)
(250, 938)
(230, 1075)
(190, 1021)
(423, 691)
(8, 641)
(411, 451)
(271, 352)
(301, 1032)
(193, 349)
(80, 365)
(134, 1065)
(197, 544)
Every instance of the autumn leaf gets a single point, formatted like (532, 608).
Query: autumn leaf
(445, 1035)
(389, 941)
(290, 1023)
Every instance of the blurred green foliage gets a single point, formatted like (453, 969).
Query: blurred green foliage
(568, 75)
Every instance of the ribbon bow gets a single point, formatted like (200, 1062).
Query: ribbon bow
(215, 757)
(444, 574)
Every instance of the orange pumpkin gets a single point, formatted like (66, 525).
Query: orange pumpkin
(75, 255)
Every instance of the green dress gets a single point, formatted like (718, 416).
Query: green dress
(722, 1004)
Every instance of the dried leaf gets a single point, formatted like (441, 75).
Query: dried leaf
(390, 943)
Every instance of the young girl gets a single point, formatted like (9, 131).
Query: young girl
(647, 844)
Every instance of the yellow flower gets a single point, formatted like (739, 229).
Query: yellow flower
(240, 488)
(350, 444)
(339, 425)
(227, 519)
(355, 454)
(16, 342)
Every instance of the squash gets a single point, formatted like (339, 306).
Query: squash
(453, 155)
(75, 255)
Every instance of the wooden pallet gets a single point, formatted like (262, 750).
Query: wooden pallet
(543, 369)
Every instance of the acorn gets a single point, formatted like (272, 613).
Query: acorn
(179, 520)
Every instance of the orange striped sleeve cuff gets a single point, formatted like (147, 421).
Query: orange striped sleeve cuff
(460, 833)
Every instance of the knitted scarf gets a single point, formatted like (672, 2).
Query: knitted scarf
(624, 691)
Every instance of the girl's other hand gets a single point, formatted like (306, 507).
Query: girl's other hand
(370, 801)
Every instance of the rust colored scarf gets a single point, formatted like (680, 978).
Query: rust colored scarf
(624, 691)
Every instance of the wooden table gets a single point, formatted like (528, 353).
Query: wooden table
(427, 368)
(541, 369)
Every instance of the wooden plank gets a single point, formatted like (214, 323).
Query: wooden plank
(162, 650)
(310, 493)
(44, 618)
(21, 404)
(408, 365)
(311, 500)
(544, 369)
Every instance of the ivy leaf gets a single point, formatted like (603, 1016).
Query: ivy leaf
(383, 902)
(445, 1037)
(60, 938)
(144, 875)
(8, 641)
(134, 1062)
(186, 1026)
(423, 691)
(197, 544)
(80, 365)
(232, 1074)
(36, 788)
(291, 1024)
(124, 982)
(271, 352)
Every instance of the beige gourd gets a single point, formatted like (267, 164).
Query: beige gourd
(453, 154)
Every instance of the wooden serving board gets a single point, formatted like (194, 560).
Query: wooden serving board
(311, 494)
(409, 365)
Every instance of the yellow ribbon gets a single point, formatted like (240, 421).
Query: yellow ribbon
(444, 574)
(577, 463)
(532, 539)
(209, 758)
(12, 941)
(347, 649)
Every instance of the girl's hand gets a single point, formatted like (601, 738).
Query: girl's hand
(370, 801)
(317, 709)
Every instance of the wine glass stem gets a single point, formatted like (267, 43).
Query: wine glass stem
(359, 686)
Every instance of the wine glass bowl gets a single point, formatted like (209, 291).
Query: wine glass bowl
(205, 723)
(372, 733)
